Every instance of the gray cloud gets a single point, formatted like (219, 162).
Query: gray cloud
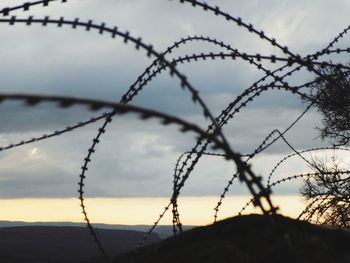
(136, 158)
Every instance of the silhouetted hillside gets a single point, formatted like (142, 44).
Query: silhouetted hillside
(163, 231)
(249, 239)
(62, 244)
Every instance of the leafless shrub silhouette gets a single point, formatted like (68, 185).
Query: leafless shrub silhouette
(327, 193)
(331, 94)
(326, 189)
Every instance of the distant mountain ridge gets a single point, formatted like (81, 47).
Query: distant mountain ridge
(63, 244)
(163, 231)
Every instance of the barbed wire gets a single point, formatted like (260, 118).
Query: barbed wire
(251, 156)
(300, 152)
(141, 82)
(263, 148)
(252, 183)
(290, 178)
(145, 114)
(26, 6)
(175, 212)
(212, 136)
(138, 44)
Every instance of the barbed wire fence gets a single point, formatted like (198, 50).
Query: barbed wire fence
(207, 140)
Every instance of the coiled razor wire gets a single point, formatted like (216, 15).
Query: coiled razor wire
(212, 135)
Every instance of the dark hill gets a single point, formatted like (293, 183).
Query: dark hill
(163, 231)
(249, 239)
(62, 244)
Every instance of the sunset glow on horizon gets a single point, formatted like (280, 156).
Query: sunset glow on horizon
(134, 211)
(220, 122)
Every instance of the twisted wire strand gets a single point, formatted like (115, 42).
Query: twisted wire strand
(214, 130)
(195, 59)
(225, 113)
(96, 140)
(230, 182)
(238, 21)
(324, 51)
(317, 54)
(80, 124)
(186, 58)
(280, 162)
(261, 148)
(138, 44)
(216, 11)
(251, 156)
(26, 6)
(250, 28)
(150, 231)
(175, 212)
(267, 137)
(115, 32)
(268, 73)
(141, 82)
(66, 102)
(289, 178)
(53, 134)
(69, 128)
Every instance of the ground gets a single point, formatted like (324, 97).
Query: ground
(248, 239)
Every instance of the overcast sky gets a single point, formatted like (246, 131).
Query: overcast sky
(137, 158)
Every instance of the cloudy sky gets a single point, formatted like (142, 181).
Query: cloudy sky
(136, 159)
